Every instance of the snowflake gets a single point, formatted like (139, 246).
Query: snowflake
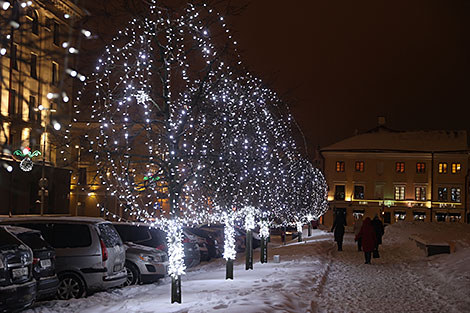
(142, 97)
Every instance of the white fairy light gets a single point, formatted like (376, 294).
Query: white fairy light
(174, 237)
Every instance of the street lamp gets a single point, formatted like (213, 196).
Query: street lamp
(43, 180)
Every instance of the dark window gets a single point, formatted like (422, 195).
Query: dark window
(13, 58)
(400, 167)
(33, 15)
(82, 179)
(359, 166)
(340, 166)
(340, 192)
(34, 64)
(34, 241)
(71, 236)
(109, 235)
(442, 167)
(133, 233)
(7, 240)
(12, 103)
(34, 113)
(420, 167)
(455, 194)
(441, 217)
(55, 73)
(56, 33)
(442, 193)
(358, 192)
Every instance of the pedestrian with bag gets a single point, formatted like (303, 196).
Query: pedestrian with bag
(338, 227)
(368, 237)
(357, 229)
(379, 232)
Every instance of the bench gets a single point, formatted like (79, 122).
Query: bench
(432, 248)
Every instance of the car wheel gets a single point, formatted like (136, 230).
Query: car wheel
(132, 274)
(70, 286)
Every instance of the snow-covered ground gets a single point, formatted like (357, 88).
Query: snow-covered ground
(313, 277)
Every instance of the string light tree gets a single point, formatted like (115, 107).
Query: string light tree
(156, 98)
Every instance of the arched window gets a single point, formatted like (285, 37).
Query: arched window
(34, 18)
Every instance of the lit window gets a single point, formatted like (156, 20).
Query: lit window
(420, 167)
(400, 216)
(420, 193)
(442, 168)
(340, 166)
(358, 192)
(399, 192)
(419, 216)
(400, 167)
(455, 194)
(456, 167)
(442, 193)
(359, 166)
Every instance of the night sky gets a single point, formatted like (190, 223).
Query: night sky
(340, 64)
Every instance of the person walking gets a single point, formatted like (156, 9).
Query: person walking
(338, 227)
(368, 237)
(357, 229)
(379, 232)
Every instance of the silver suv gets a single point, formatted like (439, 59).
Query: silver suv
(90, 255)
(144, 264)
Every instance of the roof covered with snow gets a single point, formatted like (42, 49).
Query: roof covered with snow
(382, 138)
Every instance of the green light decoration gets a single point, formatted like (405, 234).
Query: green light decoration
(27, 164)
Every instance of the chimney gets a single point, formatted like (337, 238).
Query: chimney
(381, 120)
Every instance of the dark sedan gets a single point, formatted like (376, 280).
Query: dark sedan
(43, 261)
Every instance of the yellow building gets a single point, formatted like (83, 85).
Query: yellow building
(35, 98)
(410, 175)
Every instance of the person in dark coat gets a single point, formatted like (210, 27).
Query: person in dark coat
(368, 237)
(338, 227)
(379, 232)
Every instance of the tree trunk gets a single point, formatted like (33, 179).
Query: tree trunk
(309, 229)
(264, 250)
(176, 289)
(249, 250)
(229, 269)
(300, 237)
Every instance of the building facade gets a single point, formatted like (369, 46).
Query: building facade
(35, 99)
(409, 176)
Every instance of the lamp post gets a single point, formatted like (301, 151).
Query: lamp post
(43, 180)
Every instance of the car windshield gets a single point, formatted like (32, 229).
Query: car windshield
(34, 241)
(109, 235)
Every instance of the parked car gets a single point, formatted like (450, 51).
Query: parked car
(201, 244)
(144, 264)
(43, 261)
(17, 284)
(90, 255)
(143, 234)
(212, 244)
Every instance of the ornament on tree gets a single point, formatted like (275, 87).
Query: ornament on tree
(27, 163)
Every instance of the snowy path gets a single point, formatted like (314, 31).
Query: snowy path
(396, 282)
(312, 277)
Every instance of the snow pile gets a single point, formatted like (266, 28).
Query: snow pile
(312, 277)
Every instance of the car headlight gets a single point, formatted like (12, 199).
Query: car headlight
(150, 258)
